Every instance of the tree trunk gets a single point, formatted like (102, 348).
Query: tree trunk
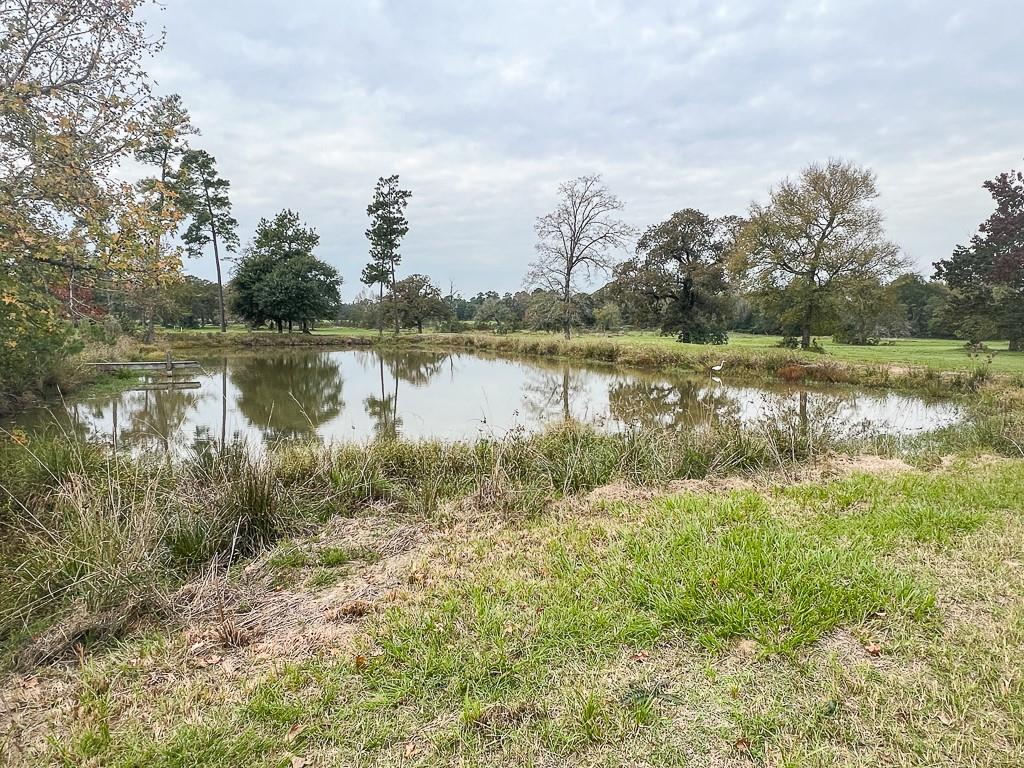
(280, 326)
(216, 260)
(380, 312)
(419, 326)
(289, 326)
(394, 300)
(1017, 345)
(566, 319)
(805, 328)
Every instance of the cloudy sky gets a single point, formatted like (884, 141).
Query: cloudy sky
(484, 107)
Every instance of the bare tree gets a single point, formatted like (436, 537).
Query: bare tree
(577, 239)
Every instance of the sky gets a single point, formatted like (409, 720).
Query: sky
(483, 108)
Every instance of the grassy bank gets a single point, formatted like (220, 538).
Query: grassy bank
(862, 621)
(737, 361)
(87, 532)
(913, 365)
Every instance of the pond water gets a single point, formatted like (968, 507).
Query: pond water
(359, 394)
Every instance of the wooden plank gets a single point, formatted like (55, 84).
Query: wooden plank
(146, 365)
(172, 385)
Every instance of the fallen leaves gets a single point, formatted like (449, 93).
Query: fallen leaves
(294, 732)
(873, 649)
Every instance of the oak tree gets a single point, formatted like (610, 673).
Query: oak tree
(677, 280)
(815, 230)
(417, 300)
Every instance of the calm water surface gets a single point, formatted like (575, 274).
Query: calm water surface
(359, 394)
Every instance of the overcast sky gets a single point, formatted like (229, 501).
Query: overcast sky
(484, 107)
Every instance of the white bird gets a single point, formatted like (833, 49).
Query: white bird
(717, 368)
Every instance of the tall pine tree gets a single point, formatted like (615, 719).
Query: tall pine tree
(388, 226)
(204, 197)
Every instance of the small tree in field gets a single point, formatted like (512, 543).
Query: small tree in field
(575, 240)
(417, 300)
(204, 196)
(816, 231)
(388, 226)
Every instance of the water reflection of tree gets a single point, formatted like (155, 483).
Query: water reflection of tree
(152, 418)
(414, 367)
(288, 396)
(680, 404)
(550, 392)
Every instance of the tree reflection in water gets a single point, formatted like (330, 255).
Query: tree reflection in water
(414, 367)
(152, 418)
(548, 394)
(288, 396)
(682, 404)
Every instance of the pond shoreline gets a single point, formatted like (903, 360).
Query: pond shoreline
(783, 365)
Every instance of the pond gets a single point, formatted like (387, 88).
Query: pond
(360, 394)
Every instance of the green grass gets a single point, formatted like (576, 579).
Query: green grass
(938, 354)
(705, 628)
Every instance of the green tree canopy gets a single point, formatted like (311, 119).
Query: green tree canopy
(815, 230)
(280, 280)
(987, 276)
(417, 300)
(677, 280)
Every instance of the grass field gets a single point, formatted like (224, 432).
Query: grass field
(940, 354)
(936, 354)
(866, 620)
